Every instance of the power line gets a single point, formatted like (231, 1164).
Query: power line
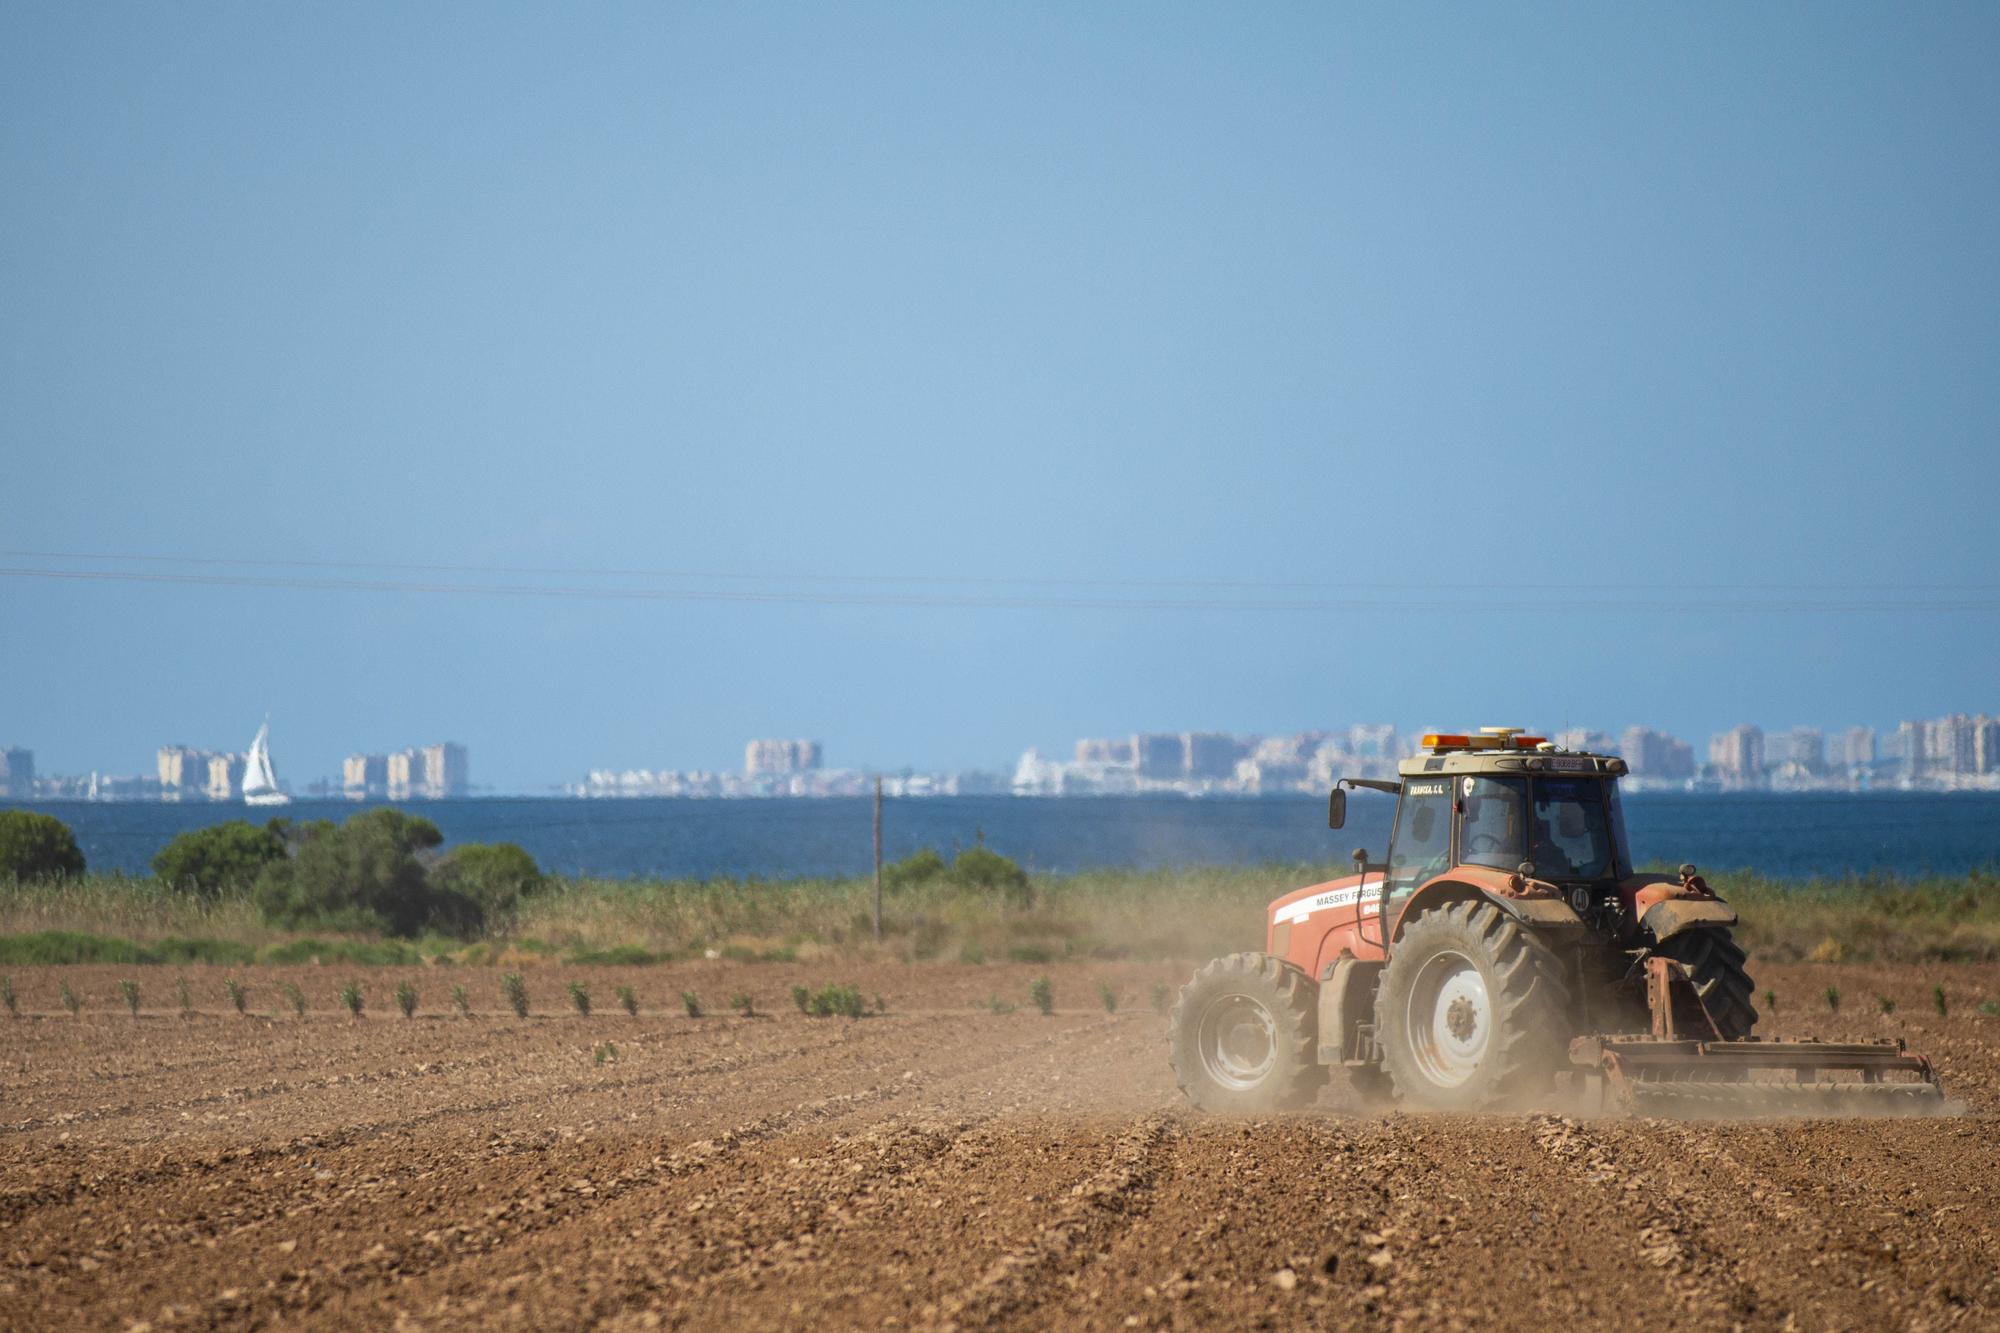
(1460, 606)
(977, 580)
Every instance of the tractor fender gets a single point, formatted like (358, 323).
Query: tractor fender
(1346, 1001)
(1535, 911)
(1666, 919)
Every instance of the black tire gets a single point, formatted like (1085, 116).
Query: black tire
(1473, 1011)
(1244, 1036)
(1715, 964)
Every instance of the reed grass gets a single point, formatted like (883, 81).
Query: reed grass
(1109, 914)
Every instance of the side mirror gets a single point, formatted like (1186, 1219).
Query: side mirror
(1336, 808)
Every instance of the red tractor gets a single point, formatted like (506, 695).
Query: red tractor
(1505, 941)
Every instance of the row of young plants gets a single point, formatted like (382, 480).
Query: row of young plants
(828, 1001)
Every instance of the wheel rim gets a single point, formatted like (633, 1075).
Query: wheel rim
(1238, 1041)
(1450, 1019)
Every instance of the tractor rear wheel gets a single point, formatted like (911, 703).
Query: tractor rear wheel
(1473, 1010)
(1715, 964)
(1244, 1036)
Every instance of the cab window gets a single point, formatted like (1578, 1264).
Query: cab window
(1571, 829)
(1493, 827)
(1421, 844)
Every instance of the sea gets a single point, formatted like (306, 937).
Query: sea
(1788, 836)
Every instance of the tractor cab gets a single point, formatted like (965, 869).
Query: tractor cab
(1502, 801)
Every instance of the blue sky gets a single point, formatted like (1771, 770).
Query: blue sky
(1586, 327)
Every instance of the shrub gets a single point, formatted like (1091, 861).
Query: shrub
(983, 868)
(515, 992)
(1833, 998)
(1108, 996)
(998, 1005)
(221, 859)
(920, 867)
(802, 998)
(881, 1005)
(1043, 994)
(406, 998)
(9, 998)
(184, 993)
(496, 877)
(37, 847)
(628, 1000)
(579, 995)
(741, 1003)
(130, 990)
(461, 1001)
(294, 997)
(692, 1003)
(350, 997)
(365, 876)
(1888, 1005)
(1991, 1008)
(238, 996)
(1770, 1002)
(70, 1000)
(1162, 997)
(1937, 999)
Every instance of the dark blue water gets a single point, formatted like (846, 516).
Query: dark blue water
(1906, 833)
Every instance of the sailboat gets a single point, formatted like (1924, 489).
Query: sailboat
(260, 784)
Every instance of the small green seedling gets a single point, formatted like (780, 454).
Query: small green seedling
(1162, 997)
(185, 994)
(802, 998)
(71, 1000)
(515, 992)
(742, 1004)
(998, 1005)
(130, 990)
(461, 1001)
(351, 999)
(9, 998)
(628, 1000)
(1937, 998)
(692, 1003)
(605, 1052)
(1991, 1008)
(294, 997)
(1043, 994)
(239, 996)
(579, 995)
(406, 998)
(1888, 1005)
(1770, 1002)
(1833, 998)
(1109, 996)
(837, 1001)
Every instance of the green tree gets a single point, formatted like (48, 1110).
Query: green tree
(35, 846)
(918, 867)
(221, 859)
(366, 875)
(498, 877)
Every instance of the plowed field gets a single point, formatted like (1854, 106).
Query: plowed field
(938, 1166)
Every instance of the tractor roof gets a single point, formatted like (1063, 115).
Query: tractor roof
(1498, 750)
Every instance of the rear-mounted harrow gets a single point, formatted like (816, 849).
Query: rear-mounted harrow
(1684, 1067)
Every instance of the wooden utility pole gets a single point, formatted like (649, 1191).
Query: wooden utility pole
(878, 860)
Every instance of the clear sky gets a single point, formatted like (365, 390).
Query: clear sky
(1556, 356)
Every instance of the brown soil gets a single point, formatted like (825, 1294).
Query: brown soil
(940, 1166)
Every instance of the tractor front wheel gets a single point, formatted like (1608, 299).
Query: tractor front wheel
(1244, 1036)
(1473, 1011)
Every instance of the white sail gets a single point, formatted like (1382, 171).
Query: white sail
(260, 783)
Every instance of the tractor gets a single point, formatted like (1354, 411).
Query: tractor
(1505, 954)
